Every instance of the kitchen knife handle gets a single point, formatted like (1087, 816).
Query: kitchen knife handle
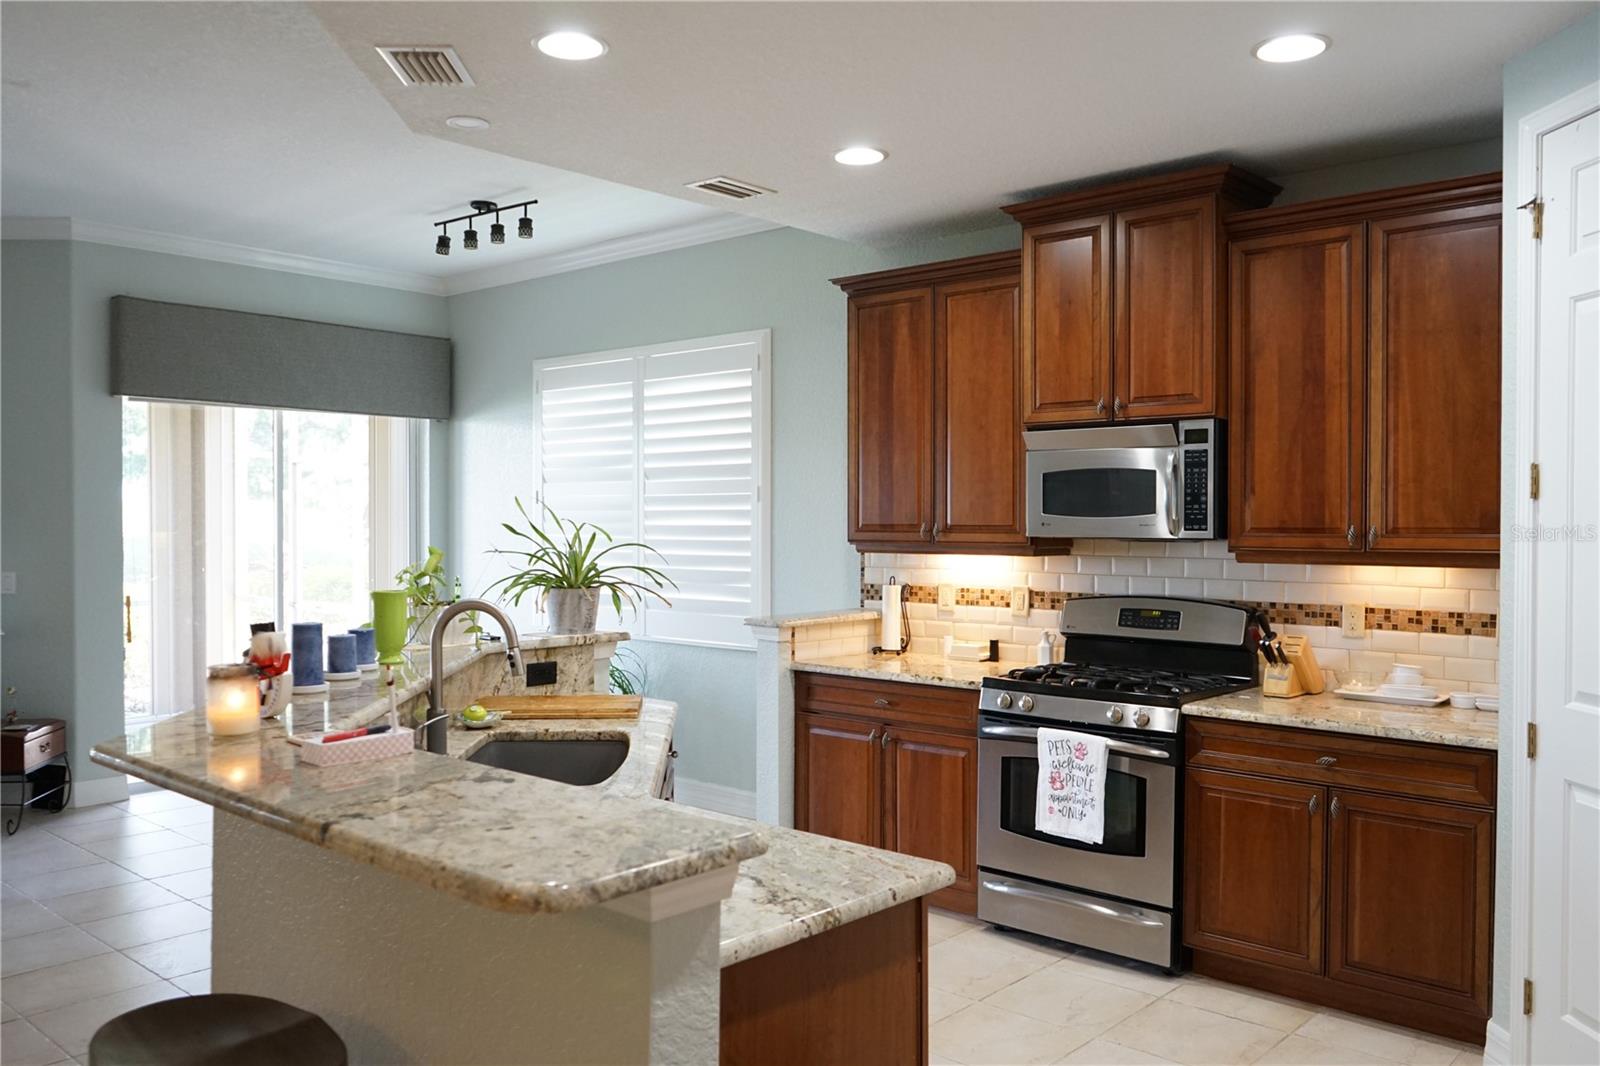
(1350, 536)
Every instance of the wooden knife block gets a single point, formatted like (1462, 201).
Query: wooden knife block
(1299, 676)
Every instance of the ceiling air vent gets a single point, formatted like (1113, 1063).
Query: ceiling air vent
(732, 188)
(425, 64)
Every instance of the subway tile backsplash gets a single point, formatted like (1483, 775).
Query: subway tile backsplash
(1443, 619)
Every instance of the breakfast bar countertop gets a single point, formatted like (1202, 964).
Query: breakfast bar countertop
(444, 822)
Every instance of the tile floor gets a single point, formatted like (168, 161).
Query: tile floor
(1008, 998)
(102, 909)
(108, 908)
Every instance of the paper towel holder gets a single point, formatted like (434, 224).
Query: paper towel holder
(905, 628)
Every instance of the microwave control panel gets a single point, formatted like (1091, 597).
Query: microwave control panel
(1200, 449)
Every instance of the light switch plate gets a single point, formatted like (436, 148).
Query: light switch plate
(947, 597)
(1354, 620)
(1019, 601)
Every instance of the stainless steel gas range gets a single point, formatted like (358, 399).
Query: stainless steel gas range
(1130, 663)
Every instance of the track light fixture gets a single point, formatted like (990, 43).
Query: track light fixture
(497, 232)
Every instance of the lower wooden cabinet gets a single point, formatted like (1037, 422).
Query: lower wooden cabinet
(898, 771)
(1313, 869)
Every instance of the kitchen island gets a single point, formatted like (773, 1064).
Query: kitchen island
(405, 898)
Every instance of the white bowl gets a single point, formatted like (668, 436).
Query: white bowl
(1488, 703)
(494, 716)
(1464, 700)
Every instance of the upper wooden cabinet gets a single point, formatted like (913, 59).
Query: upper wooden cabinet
(1364, 346)
(936, 456)
(1120, 296)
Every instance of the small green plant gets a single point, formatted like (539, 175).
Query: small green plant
(573, 555)
(426, 587)
(627, 673)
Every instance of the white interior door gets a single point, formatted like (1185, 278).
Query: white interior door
(1565, 934)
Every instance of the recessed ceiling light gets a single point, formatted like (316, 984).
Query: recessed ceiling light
(570, 44)
(466, 122)
(858, 156)
(1291, 48)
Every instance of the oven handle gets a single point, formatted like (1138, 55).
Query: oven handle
(1028, 732)
(1107, 910)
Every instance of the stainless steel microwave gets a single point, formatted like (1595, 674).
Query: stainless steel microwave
(1162, 481)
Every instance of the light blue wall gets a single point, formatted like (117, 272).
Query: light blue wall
(62, 432)
(776, 280)
(1537, 78)
(1432, 164)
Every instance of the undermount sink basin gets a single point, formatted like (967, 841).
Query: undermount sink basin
(575, 762)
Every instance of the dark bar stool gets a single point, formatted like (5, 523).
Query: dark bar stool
(222, 1029)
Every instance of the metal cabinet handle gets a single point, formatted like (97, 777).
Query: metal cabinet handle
(1117, 406)
(883, 742)
(1100, 406)
(1312, 806)
(880, 701)
(922, 531)
(937, 529)
(1350, 536)
(872, 736)
(1333, 808)
(1326, 760)
(1372, 536)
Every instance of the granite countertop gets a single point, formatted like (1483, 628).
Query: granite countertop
(914, 669)
(814, 618)
(649, 740)
(1326, 712)
(441, 821)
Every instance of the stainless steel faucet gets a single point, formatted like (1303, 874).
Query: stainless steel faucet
(438, 727)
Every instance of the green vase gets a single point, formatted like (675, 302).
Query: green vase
(390, 609)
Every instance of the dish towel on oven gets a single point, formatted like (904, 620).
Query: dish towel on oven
(1070, 797)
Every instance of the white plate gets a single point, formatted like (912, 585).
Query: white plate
(1371, 696)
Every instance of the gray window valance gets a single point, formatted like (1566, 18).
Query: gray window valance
(165, 351)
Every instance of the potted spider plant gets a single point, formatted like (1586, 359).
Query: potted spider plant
(427, 589)
(569, 564)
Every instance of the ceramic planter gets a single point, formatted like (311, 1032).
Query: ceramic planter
(571, 610)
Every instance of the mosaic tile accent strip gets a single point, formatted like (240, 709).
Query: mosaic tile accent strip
(1393, 619)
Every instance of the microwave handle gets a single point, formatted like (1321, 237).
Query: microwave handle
(1174, 492)
(1025, 732)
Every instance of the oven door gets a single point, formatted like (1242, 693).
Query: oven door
(1129, 493)
(1135, 859)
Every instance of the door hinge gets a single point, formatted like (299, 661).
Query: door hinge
(1527, 996)
(1535, 207)
(1533, 740)
(1533, 481)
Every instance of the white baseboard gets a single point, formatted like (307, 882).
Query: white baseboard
(720, 798)
(93, 791)
(1496, 1045)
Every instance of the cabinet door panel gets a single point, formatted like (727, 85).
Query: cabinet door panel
(1066, 321)
(1254, 869)
(1434, 389)
(932, 807)
(978, 455)
(1409, 906)
(1166, 341)
(838, 786)
(1296, 330)
(891, 416)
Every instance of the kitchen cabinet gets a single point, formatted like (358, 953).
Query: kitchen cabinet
(1121, 296)
(1348, 871)
(894, 766)
(935, 437)
(1364, 350)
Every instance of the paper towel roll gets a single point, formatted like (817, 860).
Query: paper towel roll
(891, 617)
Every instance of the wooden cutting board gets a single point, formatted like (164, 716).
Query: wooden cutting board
(587, 705)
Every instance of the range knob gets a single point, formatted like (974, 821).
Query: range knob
(1114, 714)
(1141, 718)
(1025, 703)
(1003, 700)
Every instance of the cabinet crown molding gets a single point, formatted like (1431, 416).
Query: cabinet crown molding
(1361, 207)
(1230, 182)
(966, 269)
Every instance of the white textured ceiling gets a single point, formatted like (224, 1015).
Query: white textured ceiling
(977, 104)
(245, 123)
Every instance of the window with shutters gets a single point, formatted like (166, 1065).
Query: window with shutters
(667, 444)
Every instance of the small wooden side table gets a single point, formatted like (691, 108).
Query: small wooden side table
(32, 750)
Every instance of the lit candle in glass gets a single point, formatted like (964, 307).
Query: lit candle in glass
(233, 701)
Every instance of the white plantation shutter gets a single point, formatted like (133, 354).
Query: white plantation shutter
(667, 445)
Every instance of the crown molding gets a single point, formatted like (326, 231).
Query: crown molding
(705, 231)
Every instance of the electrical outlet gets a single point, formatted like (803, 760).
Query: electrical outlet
(540, 673)
(1019, 602)
(947, 597)
(1354, 621)
(8, 582)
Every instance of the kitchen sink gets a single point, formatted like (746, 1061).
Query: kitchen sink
(575, 762)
